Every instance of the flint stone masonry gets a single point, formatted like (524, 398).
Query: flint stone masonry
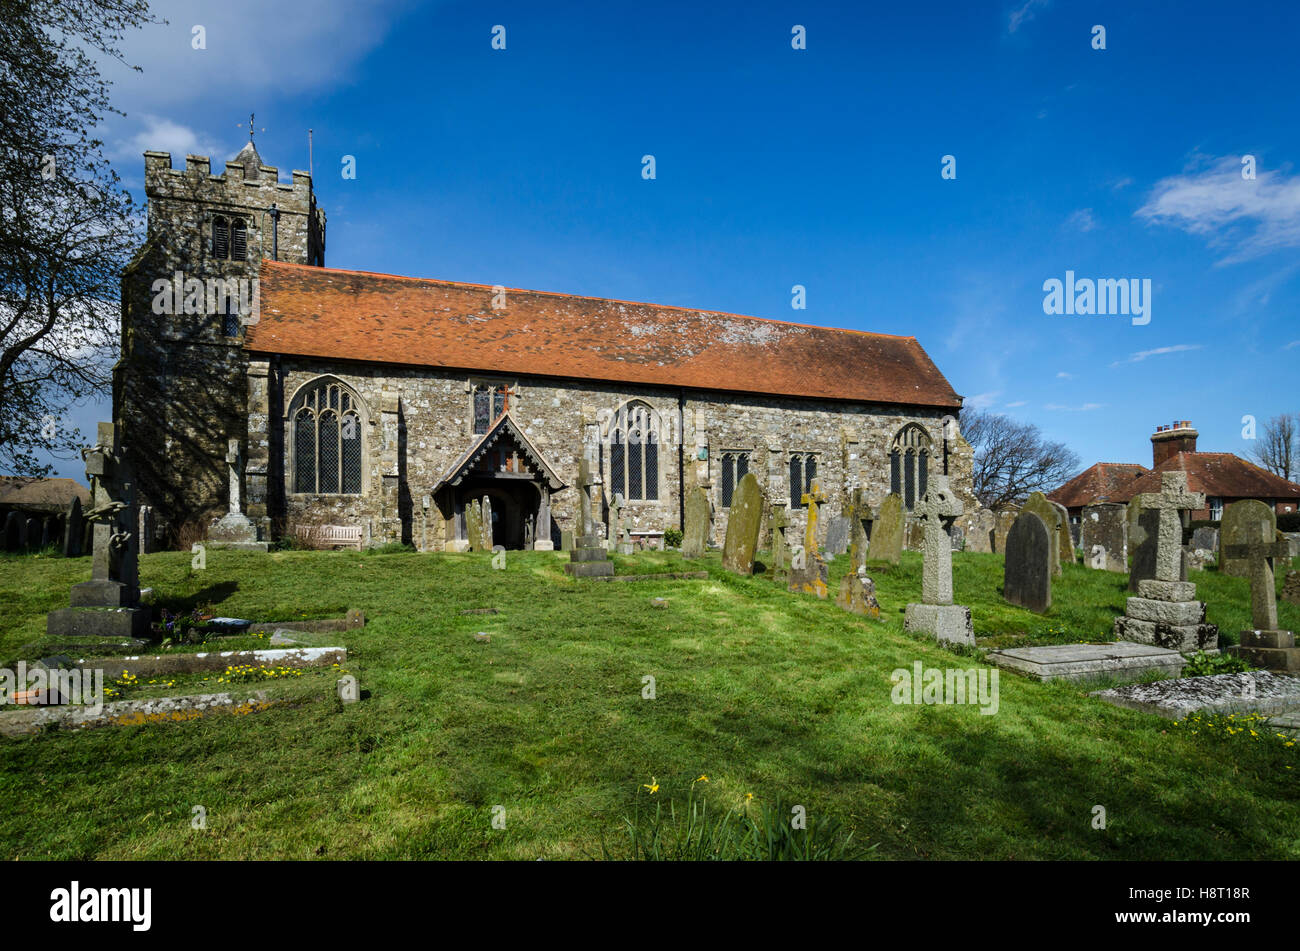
(1078, 662)
(1256, 691)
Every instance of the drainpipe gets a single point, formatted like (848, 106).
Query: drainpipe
(681, 460)
(275, 232)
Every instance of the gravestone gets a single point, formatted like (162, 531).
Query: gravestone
(1265, 646)
(234, 529)
(936, 615)
(779, 522)
(13, 537)
(1003, 521)
(1291, 589)
(698, 511)
(588, 559)
(1206, 537)
(837, 535)
(887, 531)
(486, 522)
(566, 539)
(73, 527)
(619, 533)
(1165, 612)
(1065, 541)
(1142, 545)
(1105, 526)
(49, 531)
(858, 594)
(1238, 524)
(1040, 506)
(1027, 572)
(978, 528)
(32, 533)
(813, 575)
(542, 540)
(109, 603)
(473, 525)
(860, 520)
(743, 525)
(146, 529)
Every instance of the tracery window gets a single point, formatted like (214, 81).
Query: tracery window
(734, 467)
(803, 470)
(326, 440)
(489, 403)
(909, 464)
(634, 453)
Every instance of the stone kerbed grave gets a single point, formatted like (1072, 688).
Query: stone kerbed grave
(1077, 662)
(152, 665)
(935, 615)
(1165, 612)
(1256, 691)
(139, 712)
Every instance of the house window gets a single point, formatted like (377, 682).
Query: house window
(634, 454)
(326, 440)
(1216, 509)
(489, 403)
(909, 464)
(734, 467)
(803, 470)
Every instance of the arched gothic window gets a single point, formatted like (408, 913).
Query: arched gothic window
(634, 453)
(803, 470)
(909, 464)
(734, 467)
(490, 401)
(326, 440)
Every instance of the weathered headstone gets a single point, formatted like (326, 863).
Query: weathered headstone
(48, 532)
(1238, 524)
(1104, 526)
(860, 519)
(1291, 589)
(1065, 541)
(1265, 646)
(486, 518)
(566, 539)
(743, 524)
(1003, 520)
(837, 535)
(887, 531)
(698, 512)
(32, 533)
(109, 603)
(1165, 612)
(146, 529)
(474, 525)
(1044, 509)
(858, 594)
(1206, 537)
(779, 522)
(812, 576)
(977, 529)
(936, 615)
(73, 527)
(1027, 571)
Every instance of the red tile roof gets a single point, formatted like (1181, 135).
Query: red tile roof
(1218, 475)
(355, 315)
(1103, 482)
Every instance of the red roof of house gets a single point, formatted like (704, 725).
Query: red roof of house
(1103, 482)
(1218, 475)
(355, 315)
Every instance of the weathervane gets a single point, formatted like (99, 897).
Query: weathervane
(240, 125)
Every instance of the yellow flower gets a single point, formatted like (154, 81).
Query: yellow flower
(653, 785)
(702, 779)
(749, 796)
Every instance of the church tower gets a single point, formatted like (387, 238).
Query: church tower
(181, 388)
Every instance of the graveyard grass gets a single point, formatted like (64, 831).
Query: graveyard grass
(766, 693)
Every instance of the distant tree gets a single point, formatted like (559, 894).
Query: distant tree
(67, 227)
(1012, 459)
(1277, 446)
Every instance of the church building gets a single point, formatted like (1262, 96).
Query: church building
(387, 404)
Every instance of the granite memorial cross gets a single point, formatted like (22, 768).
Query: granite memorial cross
(1171, 501)
(813, 499)
(588, 559)
(1258, 554)
(235, 530)
(936, 615)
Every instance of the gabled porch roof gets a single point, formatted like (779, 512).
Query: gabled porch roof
(504, 429)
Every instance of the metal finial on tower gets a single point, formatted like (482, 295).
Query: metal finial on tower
(250, 127)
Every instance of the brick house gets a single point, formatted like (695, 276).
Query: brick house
(390, 402)
(1222, 476)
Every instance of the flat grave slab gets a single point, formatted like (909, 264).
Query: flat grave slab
(1254, 691)
(1119, 659)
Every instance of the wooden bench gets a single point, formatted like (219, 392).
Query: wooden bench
(331, 536)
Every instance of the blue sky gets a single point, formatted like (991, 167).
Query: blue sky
(818, 167)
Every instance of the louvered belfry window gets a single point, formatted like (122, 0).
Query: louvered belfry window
(238, 240)
(634, 453)
(220, 238)
(326, 441)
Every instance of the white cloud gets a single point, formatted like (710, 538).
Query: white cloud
(1016, 404)
(160, 134)
(1293, 343)
(1024, 13)
(1248, 218)
(1081, 220)
(1064, 376)
(1086, 407)
(1158, 351)
(981, 400)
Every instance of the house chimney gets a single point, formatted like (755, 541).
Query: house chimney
(1169, 440)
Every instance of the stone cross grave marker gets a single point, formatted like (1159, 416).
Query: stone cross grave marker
(1258, 555)
(780, 522)
(936, 615)
(1170, 502)
(813, 499)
